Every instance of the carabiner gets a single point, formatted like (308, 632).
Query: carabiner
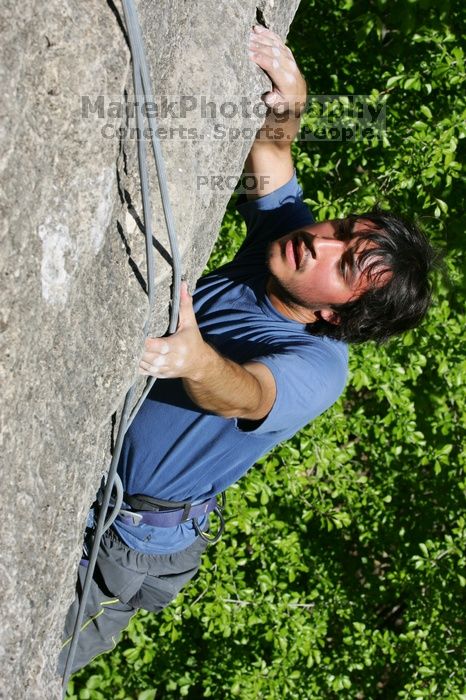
(214, 538)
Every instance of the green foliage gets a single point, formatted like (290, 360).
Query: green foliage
(342, 573)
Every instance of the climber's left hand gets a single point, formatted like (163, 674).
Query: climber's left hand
(268, 51)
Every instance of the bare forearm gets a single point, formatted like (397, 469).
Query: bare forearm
(269, 163)
(272, 143)
(280, 129)
(211, 380)
(223, 386)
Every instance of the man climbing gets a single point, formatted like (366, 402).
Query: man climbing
(261, 350)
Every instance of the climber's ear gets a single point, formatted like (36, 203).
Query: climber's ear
(329, 315)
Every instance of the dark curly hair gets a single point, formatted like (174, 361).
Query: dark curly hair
(400, 253)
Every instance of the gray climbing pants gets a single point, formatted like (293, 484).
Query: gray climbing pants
(124, 581)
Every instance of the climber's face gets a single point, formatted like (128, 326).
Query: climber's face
(316, 267)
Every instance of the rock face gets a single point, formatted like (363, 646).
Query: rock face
(73, 265)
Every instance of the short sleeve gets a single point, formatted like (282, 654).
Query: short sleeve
(274, 215)
(308, 382)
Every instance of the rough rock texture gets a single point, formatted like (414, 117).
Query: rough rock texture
(72, 260)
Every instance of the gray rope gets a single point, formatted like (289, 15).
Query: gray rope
(143, 92)
(99, 529)
(116, 505)
(131, 18)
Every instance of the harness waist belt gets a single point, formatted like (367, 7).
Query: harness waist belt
(167, 517)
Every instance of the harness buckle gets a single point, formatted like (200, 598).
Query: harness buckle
(135, 517)
(186, 509)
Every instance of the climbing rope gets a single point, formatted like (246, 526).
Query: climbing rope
(143, 94)
(137, 43)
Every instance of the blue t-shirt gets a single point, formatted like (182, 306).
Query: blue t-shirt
(176, 450)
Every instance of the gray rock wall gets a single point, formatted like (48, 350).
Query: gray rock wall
(73, 304)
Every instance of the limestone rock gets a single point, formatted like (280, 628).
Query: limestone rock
(73, 261)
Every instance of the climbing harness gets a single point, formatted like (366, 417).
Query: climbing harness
(143, 95)
(159, 513)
